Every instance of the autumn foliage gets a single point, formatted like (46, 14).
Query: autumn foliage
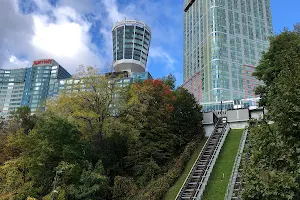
(108, 142)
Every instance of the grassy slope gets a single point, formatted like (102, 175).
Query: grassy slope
(173, 191)
(218, 182)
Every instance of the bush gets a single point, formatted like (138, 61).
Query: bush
(158, 188)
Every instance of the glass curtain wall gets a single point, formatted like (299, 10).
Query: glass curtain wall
(222, 39)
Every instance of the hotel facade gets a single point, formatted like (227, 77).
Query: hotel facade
(223, 43)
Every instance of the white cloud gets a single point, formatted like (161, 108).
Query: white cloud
(14, 62)
(81, 6)
(43, 5)
(108, 16)
(113, 13)
(75, 32)
(159, 53)
(62, 35)
(15, 32)
(56, 39)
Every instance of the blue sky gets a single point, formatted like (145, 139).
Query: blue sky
(285, 14)
(76, 32)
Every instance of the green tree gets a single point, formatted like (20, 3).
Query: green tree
(283, 54)
(279, 70)
(3, 141)
(149, 114)
(22, 118)
(114, 147)
(186, 117)
(270, 170)
(170, 81)
(22, 122)
(99, 137)
(91, 106)
(92, 184)
(272, 160)
(88, 106)
(52, 141)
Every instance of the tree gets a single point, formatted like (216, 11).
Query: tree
(88, 106)
(270, 170)
(124, 188)
(98, 136)
(186, 117)
(52, 141)
(272, 159)
(170, 81)
(149, 114)
(92, 104)
(114, 147)
(3, 141)
(22, 122)
(279, 70)
(23, 119)
(92, 184)
(283, 54)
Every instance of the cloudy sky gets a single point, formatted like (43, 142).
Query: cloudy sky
(76, 32)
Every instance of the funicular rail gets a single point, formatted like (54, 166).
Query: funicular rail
(235, 183)
(197, 179)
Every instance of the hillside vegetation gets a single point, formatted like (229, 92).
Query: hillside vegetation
(272, 158)
(107, 142)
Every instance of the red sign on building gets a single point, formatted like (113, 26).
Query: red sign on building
(42, 62)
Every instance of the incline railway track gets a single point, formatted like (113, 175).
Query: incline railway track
(235, 184)
(196, 181)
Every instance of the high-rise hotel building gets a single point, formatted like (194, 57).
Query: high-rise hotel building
(12, 84)
(47, 78)
(29, 86)
(223, 42)
(41, 82)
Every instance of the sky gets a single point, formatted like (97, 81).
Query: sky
(78, 32)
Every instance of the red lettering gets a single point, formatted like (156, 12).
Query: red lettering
(39, 62)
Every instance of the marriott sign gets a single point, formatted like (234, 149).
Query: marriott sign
(42, 62)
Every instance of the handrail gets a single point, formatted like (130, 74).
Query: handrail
(238, 158)
(200, 154)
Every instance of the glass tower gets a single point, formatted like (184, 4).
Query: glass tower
(223, 42)
(42, 81)
(12, 84)
(131, 41)
(30, 86)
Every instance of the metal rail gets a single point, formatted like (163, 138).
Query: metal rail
(189, 5)
(235, 183)
(197, 179)
(198, 158)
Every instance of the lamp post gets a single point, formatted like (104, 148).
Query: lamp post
(221, 108)
(55, 182)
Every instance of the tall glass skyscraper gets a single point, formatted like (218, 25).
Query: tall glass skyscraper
(131, 41)
(42, 81)
(30, 86)
(12, 84)
(223, 42)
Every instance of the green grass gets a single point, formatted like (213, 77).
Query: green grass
(218, 181)
(173, 191)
